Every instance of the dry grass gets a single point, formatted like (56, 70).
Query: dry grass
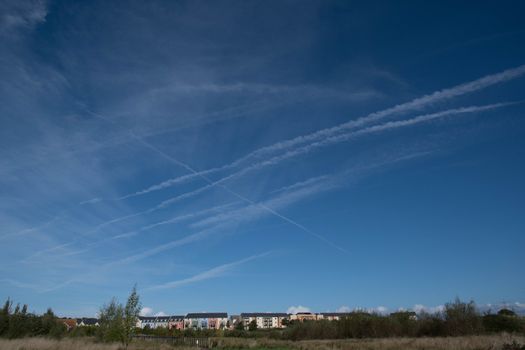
(77, 343)
(493, 342)
(455, 343)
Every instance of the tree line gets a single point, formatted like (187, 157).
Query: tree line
(117, 323)
(457, 319)
(17, 322)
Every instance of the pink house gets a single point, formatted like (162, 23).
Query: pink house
(176, 322)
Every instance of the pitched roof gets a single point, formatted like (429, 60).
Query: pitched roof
(207, 315)
(89, 321)
(161, 318)
(264, 314)
(340, 314)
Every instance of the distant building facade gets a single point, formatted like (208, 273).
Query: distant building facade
(303, 316)
(169, 322)
(264, 320)
(176, 322)
(332, 316)
(206, 320)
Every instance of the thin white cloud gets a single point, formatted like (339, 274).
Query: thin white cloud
(333, 140)
(209, 274)
(90, 201)
(47, 250)
(241, 197)
(174, 220)
(224, 221)
(19, 284)
(414, 105)
(31, 229)
(20, 14)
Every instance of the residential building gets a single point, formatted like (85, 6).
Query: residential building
(264, 319)
(303, 316)
(332, 316)
(206, 320)
(176, 322)
(70, 323)
(86, 321)
(169, 322)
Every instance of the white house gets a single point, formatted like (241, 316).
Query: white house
(153, 321)
(264, 319)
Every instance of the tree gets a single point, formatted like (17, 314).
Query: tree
(240, 326)
(111, 321)
(506, 312)
(252, 326)
(4, 316)
(117, 322)
(131, 314)
(462, 318)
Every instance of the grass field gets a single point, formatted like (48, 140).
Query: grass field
(493, 342)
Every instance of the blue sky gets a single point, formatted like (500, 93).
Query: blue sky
(262, 156)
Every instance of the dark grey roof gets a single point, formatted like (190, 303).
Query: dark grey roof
(147, 318)
(207, 315)
(340, 314)
(90, 321)
(264, 314)
(161, 318)
(87, 320)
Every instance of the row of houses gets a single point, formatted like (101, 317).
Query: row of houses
(79, 322)
(207, 320)
(220, 320)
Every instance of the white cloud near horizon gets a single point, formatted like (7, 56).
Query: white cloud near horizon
(343, 308)
(419, 308)
(297, 309)
(146, 311)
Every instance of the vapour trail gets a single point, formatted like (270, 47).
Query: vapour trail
(211, 183)
(208, 274)
(416, 104)
(333, 140)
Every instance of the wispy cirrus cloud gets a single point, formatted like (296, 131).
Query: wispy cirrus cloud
(223, 222)
(21, 14)
(331, 141)
(214, 272)
(329, 133)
